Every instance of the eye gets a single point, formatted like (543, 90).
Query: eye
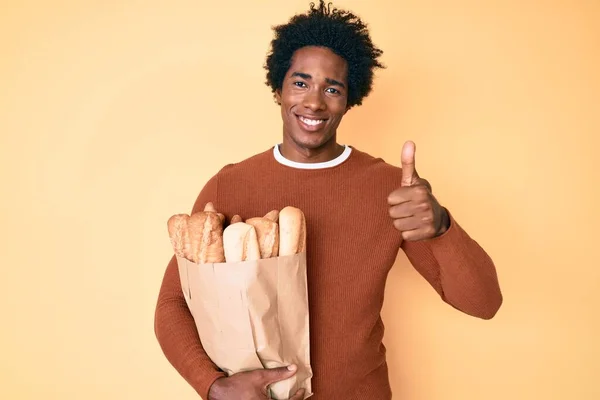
(333, 91)
(299, 84)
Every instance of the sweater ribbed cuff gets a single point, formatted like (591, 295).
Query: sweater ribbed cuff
(204, 387)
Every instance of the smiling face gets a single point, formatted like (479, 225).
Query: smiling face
(313, 99)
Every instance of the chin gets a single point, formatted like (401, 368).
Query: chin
(311, 142)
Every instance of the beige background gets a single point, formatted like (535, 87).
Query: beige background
(113, 114)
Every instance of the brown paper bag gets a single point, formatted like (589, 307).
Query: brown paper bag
(253, 315)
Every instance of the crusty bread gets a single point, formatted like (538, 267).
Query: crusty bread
(178, 234)
(209, 207)
(240, 242)
(292, 231)
(267, 232)
(272, 215)
(206, 237)
(201, 238)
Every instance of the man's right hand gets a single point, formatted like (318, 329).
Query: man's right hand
(251, 385)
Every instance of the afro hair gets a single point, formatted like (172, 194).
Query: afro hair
(338, 30)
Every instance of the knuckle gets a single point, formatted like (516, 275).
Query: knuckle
(397, 211)
(396, 196)
(426, 183)
(422, 191)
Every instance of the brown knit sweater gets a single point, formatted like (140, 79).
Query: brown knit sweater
(351, 246)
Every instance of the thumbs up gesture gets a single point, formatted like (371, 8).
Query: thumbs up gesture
(414, 210)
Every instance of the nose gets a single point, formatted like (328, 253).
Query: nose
(314, 101)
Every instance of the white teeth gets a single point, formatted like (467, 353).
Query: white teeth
(311, 122)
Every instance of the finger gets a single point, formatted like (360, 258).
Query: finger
(407, 224)
(272, 375)
(418, 192)
(409, 174)
(418, 234)
(403, 210)
(399, 196)
(424, 182)
(299, 395)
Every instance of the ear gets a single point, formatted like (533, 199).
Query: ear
(278, 96)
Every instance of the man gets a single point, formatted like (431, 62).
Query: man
(359, 211)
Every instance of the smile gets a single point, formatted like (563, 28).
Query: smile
(310, 122)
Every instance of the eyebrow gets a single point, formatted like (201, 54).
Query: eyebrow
(328, 80)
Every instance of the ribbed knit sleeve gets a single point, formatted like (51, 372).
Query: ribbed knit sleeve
(459, 269)
(174, 325)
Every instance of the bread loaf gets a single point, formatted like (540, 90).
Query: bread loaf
(206, 237)
(292, 231)
(209, 207)
(178, 234)
(267, 232)
(240, 242)
(272, 215)
(201, 238)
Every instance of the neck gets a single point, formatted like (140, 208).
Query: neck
(293, 152)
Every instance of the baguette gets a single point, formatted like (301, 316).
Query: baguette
(206, 237)
(240, 242)
(201, 238)
(292, 231)
(272, 215)
(177, 226)
(267, 231)
(209, 207)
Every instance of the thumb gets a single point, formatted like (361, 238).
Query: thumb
(409, 174)
(272, 375)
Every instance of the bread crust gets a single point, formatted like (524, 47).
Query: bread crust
(292, 231)
(240, 242)
(177, 226)
(201, 238)
(206, 237)
(267, 232)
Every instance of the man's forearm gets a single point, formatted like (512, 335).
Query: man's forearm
(177, 335)
(459, 269)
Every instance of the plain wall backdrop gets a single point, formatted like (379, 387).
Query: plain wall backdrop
(113, 114)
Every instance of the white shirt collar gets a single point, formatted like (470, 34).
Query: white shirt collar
(326, 164)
